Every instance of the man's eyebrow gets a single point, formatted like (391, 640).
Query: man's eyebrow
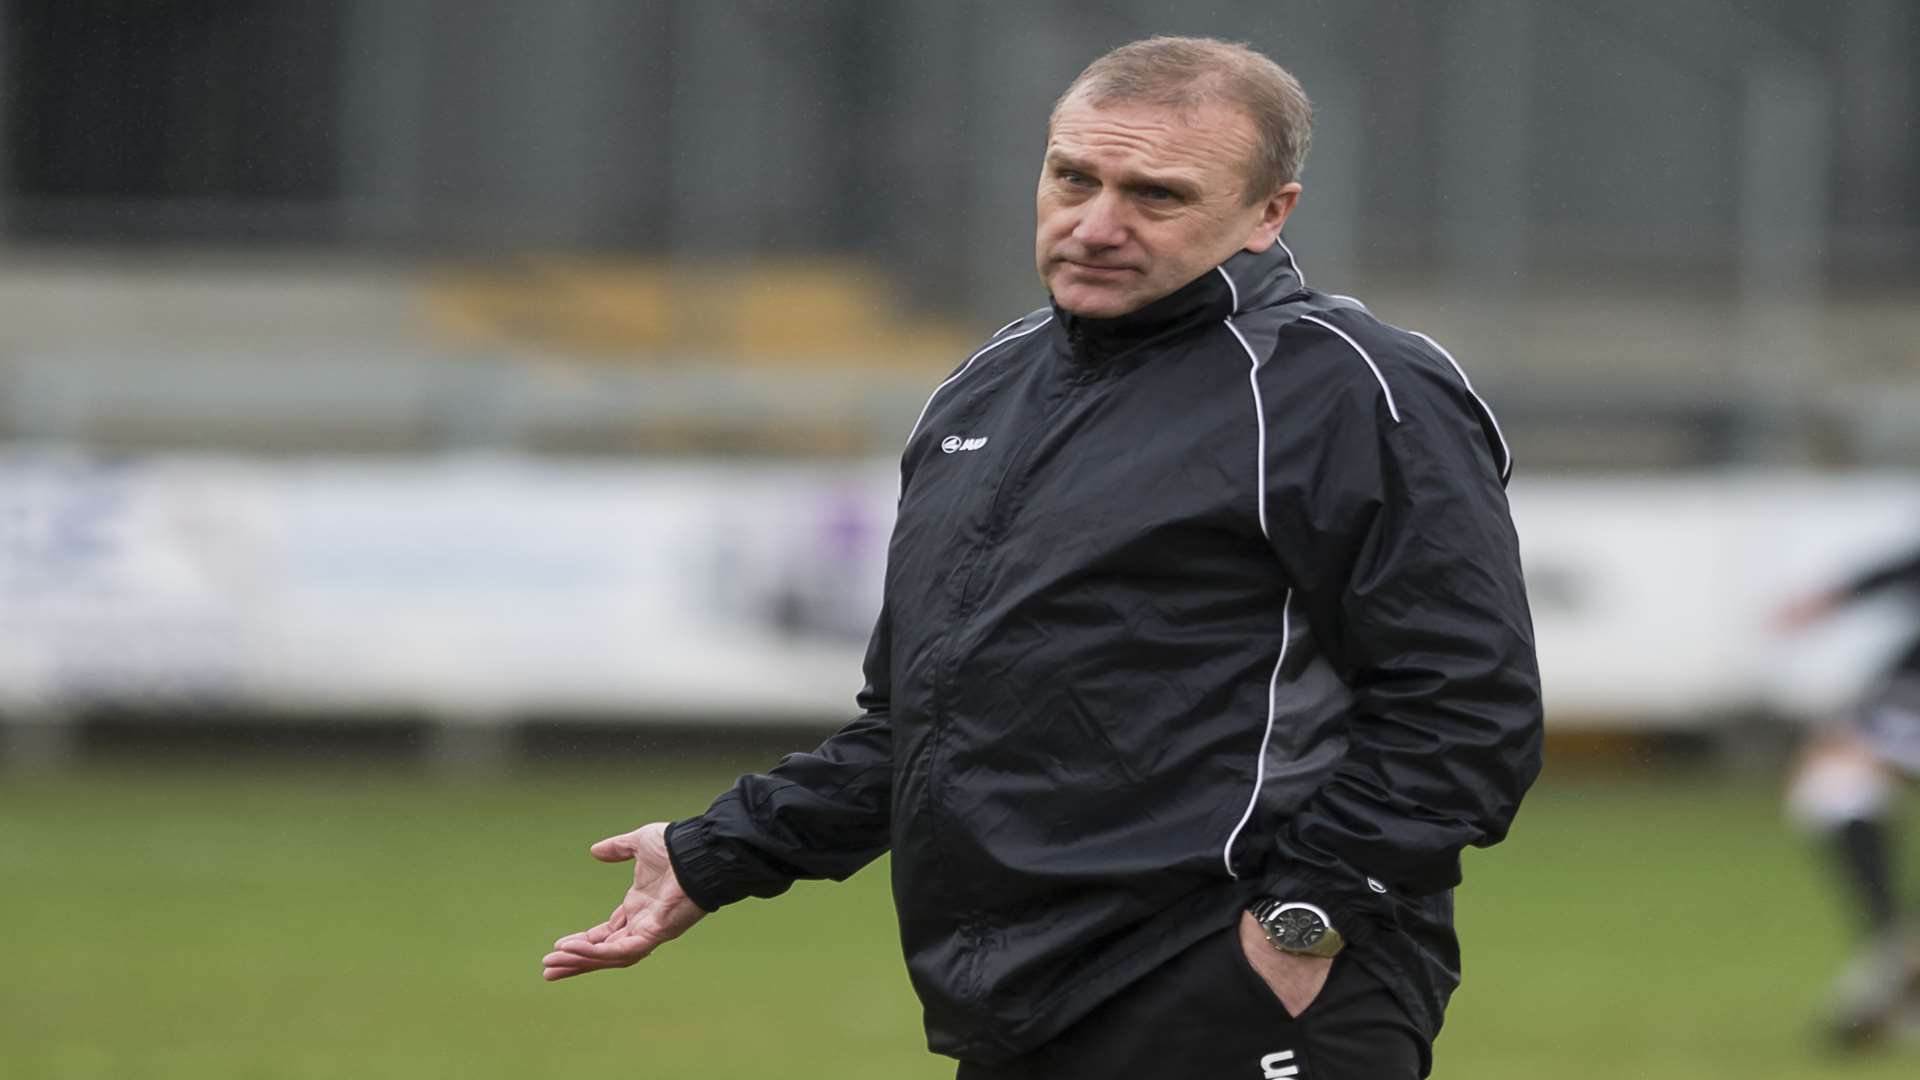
(1179, 185)
(1060, 159)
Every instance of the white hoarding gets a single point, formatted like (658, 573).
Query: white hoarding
(477, 588)
(467, 587)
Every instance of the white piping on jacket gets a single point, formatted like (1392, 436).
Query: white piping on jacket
(1293, 262)
(1260, 420)
(1393, 410)
(1286, 606)
(1232, 288)
(1506, 467)
(1260, 764)
(1506, 451)
(984, 350)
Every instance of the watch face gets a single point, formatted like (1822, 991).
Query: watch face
(1298, 928)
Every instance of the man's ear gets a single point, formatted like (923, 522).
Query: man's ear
(1274, 211)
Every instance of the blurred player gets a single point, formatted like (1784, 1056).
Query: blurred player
(1843, 790)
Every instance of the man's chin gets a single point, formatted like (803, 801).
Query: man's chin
(1095, 303)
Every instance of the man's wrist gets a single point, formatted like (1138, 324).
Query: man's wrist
(1297, 926)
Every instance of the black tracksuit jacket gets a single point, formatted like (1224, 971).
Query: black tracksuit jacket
(1214, 600)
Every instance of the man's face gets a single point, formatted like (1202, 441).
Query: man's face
(1137, 200)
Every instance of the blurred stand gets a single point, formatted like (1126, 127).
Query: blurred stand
(477, 361)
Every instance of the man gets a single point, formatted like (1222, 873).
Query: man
(1843, 792)
(1203, 651)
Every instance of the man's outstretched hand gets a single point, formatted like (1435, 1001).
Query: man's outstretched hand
(655, 910)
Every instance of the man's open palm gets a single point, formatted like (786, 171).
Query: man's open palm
(655, 910)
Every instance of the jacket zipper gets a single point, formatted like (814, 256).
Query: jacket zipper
(999, 514)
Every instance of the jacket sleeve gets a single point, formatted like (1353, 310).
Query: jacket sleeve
(1396, 535)
(823, 814)
(1902, 571)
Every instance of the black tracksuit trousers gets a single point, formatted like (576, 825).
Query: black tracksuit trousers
(1207, 1015)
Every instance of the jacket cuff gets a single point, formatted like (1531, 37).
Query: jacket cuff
(1354, 907)
(700, 865)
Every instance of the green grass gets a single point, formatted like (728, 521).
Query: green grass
(209, 925)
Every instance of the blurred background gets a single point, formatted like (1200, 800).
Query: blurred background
(434, 435)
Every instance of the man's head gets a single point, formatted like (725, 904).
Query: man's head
(1164, 158)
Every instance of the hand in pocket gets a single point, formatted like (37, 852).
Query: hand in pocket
(1295, 979)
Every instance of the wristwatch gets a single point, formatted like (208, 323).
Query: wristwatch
(1297, 927)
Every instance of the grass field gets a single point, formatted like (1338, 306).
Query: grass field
(213, 925)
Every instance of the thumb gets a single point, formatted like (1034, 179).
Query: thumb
(614, 848)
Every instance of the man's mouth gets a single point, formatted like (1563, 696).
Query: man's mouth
(1097, 269)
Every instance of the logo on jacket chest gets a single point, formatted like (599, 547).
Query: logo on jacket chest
(953, 444)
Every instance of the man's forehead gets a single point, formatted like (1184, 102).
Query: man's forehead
(1160, 136)
(1213, 118)
(1203, 111)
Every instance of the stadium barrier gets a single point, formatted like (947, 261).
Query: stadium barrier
(482, 589)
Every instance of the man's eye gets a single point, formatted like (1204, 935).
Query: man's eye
(1157, 194)
(1076, 179)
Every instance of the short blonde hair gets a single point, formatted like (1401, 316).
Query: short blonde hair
(1185, 73)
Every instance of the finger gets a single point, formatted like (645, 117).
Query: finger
(614, 848)
(553, 972)
(619, 950)
(626, 948)
(583, 935)
(615, 923)
(567, 958)
(582, 963)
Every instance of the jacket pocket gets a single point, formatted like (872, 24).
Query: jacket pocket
(1256, 984)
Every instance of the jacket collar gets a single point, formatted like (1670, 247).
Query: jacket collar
(1243, 283)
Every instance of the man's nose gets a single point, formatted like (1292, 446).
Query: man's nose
(1102, 222)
